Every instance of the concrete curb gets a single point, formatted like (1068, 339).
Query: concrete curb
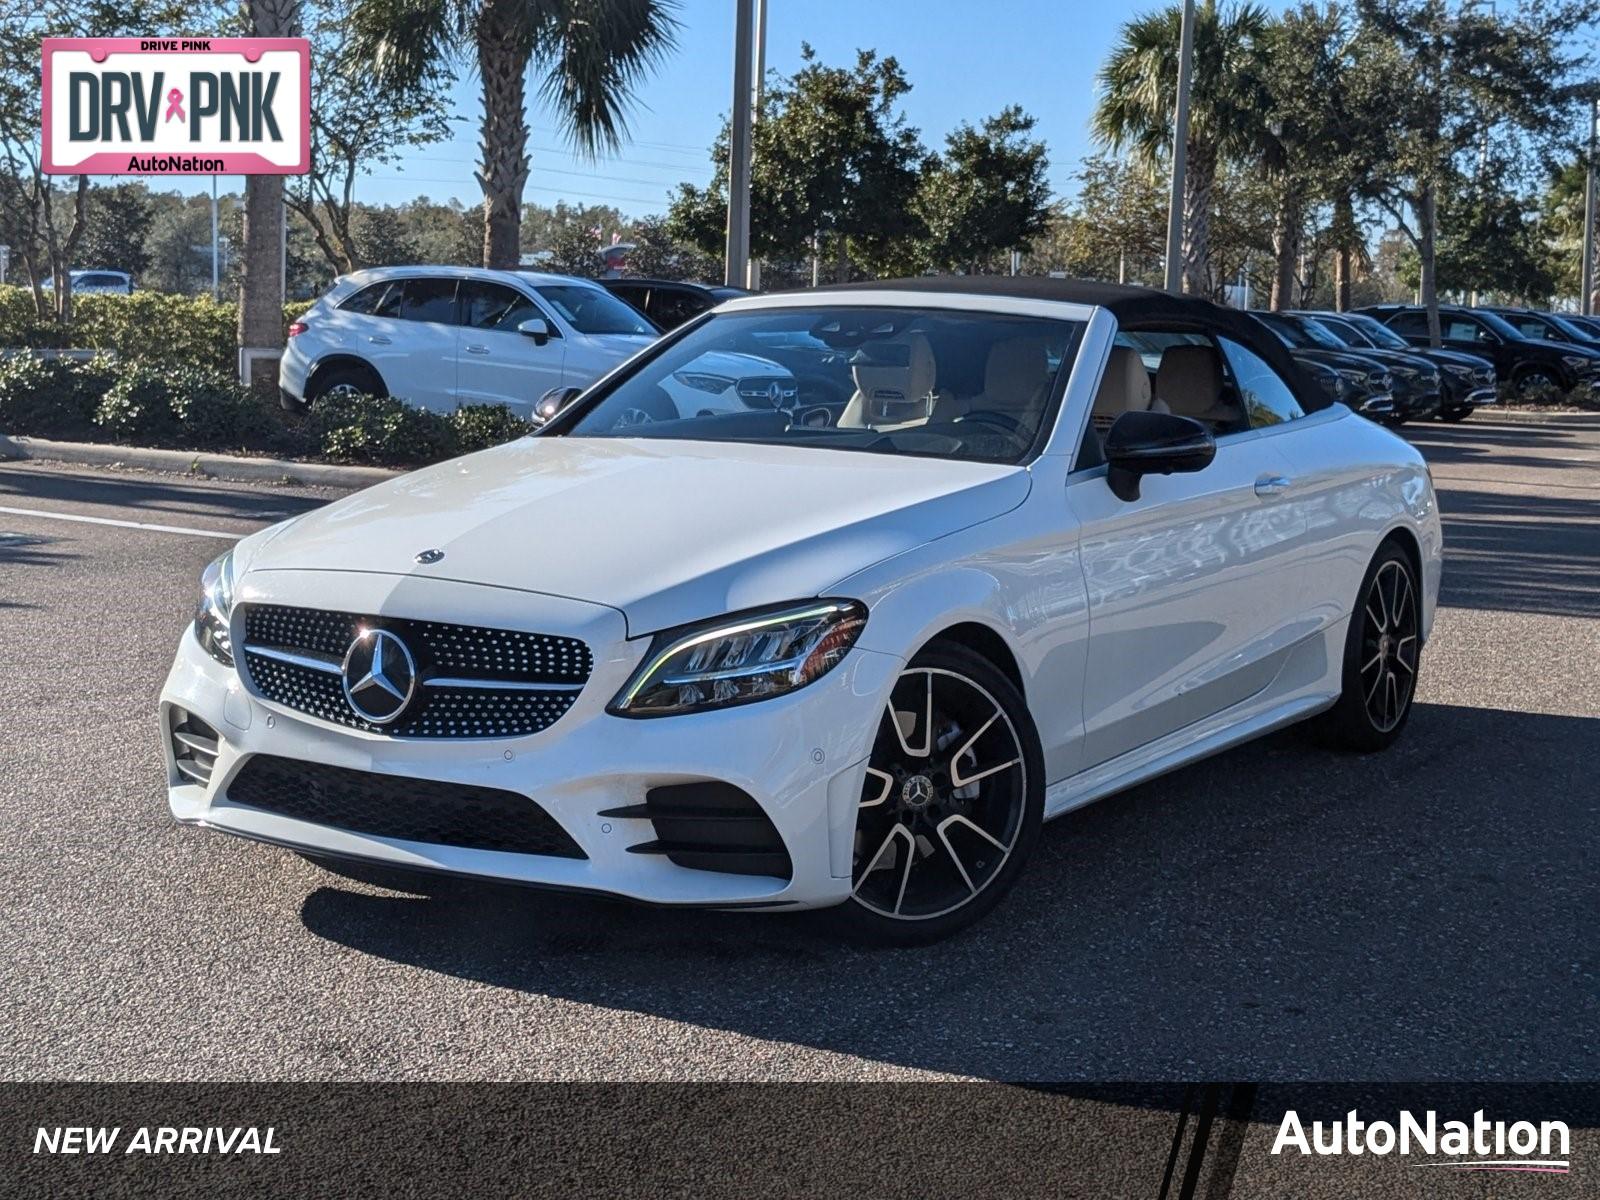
(1512, 416)
(200, 465)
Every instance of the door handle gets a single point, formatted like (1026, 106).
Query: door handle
(477, 349)
(377, 341)
(1272, 485)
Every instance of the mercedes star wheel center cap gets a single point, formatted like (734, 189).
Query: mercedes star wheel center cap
(380, 676)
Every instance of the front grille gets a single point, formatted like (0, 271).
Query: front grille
(194, 747)
(411, 810)
(473, 682)
(710, 826)
(757, 391)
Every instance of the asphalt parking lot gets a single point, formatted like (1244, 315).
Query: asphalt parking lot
(1276, 913)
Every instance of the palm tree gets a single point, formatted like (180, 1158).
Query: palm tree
(261, 264)
(589, 55)
(1227, 105)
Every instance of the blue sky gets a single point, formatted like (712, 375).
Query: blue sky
(965, 59)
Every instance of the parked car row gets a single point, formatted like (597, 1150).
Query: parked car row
(441, 337)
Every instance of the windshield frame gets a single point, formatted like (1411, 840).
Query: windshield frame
(1081, 316)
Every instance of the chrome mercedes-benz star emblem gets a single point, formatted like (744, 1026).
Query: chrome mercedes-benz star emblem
(380, 676)
(917, 792)
(429, 556)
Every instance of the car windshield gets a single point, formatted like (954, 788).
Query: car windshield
(927, 382)
(1570, 331)
(1289, 333)
(1321, 334)
(594, 310)
(1376, 332)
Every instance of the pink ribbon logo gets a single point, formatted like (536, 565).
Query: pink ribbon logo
(175, 105)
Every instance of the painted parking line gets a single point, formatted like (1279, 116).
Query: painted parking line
(145, 525)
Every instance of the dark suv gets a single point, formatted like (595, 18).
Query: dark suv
(1359, 381)
(1466, 380)
(1530, 365)
(669, 303)
(1548, 326)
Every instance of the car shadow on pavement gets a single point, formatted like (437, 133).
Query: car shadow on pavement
(1519, 553)
(1276, 912)
(152, 494)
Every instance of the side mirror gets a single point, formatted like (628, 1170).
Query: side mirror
(537, 328)
(552, 402)
(1154, 443)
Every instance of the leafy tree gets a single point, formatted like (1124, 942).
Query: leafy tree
(1114, 229)
(382, 238)
(1561, 217)
(117, 224)
(589, 56)
(1491, 240)
(987, 195)
(1429, 80)
(656, 254)
(360, 121)
(44, 221)
(1228, 107)
(835, 166)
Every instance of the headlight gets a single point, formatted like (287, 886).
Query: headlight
(1404, 372)
(1458, 369)
(701, 382)
(1578, 362)
(216, 607)
(739, 659)
(1352, 375)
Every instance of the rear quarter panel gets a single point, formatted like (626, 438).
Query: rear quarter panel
(1354, 484)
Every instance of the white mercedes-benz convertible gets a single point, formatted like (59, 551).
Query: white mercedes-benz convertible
(1062, 538)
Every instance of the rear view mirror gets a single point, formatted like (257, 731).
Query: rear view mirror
(552, 402)
(536, 328)
(1154, 443)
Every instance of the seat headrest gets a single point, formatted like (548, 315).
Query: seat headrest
(1015, 371)
(895, 372)
(1125, 387)
(1189, 379)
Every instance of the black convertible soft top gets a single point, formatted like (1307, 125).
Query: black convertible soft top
(1134, 308)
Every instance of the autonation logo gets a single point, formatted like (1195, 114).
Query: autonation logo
(1482, 1145)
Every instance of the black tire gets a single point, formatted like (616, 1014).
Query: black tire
(1454, 415)
(950, 827)
(1382, 650)
(1534, 383)
(351, 379)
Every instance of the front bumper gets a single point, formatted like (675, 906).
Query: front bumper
(800, 757)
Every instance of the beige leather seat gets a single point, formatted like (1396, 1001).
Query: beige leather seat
(1189, 382)
(889, 396)
(1016, 378)
(1125, 387)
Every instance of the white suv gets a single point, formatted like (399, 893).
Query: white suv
(441, 337)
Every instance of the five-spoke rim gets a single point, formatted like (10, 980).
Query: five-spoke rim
(1389, 646)
(943, 801)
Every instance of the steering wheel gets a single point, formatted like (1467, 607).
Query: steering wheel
(989, 416)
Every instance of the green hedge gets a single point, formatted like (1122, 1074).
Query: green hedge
(185, 331)
(191, 407)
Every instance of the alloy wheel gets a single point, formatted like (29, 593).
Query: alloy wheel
(944, 799)
(343, 391)
(1389, 646)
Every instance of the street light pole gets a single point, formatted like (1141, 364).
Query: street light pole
(1586, 303)
(1180, 152)
(737, 264)
(754, 280)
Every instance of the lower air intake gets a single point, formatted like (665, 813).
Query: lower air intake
(711, 826)
(411, 810)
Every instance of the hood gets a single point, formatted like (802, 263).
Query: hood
(666, 531)
(1362, 360)
(1460, 357)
